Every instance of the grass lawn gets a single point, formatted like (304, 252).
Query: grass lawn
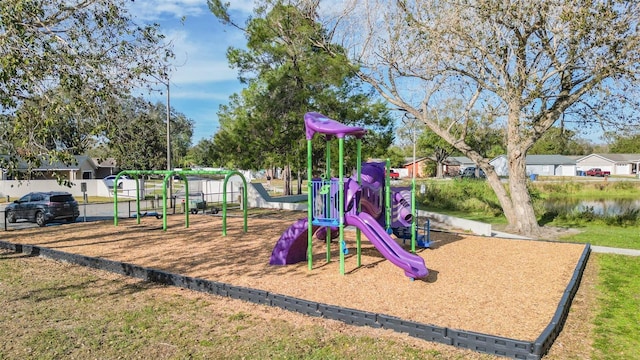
(594, 233)
(603, 235)
(617, 323)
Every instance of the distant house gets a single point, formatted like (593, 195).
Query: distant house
(546, 165)
(106, 167)
(454, 165)
(552, 165)
(451, 166)
(406, 171)
(82, 168)
(617, 164)
(418, 166)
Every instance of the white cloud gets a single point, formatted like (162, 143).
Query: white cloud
(199, 41)
(200, 95)
(245, 6)
(200, 58)
(151, 10)
(203, 71)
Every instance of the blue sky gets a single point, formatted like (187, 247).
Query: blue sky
(201, 79)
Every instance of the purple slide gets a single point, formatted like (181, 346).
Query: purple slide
(291, 248)
(413, 265)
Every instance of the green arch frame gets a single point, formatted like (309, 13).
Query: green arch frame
(168, 174)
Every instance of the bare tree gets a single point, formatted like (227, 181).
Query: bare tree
(525, 63)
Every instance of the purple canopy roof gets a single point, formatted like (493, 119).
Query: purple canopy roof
(317, 123)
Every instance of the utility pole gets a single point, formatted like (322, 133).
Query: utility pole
(168, 128)
(170, 187)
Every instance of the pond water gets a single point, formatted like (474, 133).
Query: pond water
(608, 207)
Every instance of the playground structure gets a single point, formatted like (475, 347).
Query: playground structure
(334, 203)
(168, 176)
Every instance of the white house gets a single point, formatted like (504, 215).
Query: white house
(84, 168)
(616, 164)
(546, 165)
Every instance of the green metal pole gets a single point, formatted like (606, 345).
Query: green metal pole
(245, 194)
(358, 232)
(115, 204)
(341, 202)
(186, 200)
(309, 206)
(387, 196)
(137, 197)
(164, 205)
(228, 174)
(414, 228)
(327, 174)
(327, 204)
(115, 200)
(414, 225)
(224, 210)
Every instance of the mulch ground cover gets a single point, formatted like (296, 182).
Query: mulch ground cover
(502, 287)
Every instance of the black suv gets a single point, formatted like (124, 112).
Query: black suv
(43, 207)
(470, 173)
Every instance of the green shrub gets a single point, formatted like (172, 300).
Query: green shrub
(630, 217)
(586, 215)
(559, 188)
(460, 195)
(623, 185)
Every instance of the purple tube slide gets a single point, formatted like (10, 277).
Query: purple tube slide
(405, 216)
(291, 248)
(413, 265)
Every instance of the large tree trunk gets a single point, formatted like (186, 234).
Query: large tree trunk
(439, 172)
(440, 155)
(525, 221)
(516, 203)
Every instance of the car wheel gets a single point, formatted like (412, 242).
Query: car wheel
(71, 219)
(10, 216)
(40, 220)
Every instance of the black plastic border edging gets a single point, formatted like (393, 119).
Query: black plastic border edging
(551, 332)
(484, 343)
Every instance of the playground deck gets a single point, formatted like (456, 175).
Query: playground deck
(503, 287)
